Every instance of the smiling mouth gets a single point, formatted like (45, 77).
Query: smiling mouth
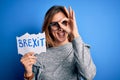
(61, 34)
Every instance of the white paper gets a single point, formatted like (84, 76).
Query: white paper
(31, 43)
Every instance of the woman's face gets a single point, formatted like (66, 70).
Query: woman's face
(60, 36)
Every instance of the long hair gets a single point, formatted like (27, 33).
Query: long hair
(47, 19)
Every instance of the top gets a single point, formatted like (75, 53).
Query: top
(71, 61)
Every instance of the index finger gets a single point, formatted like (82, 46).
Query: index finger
(29, 54)
(64, 19)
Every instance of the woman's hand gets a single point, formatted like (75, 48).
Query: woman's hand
(28, 60)
(72, 26)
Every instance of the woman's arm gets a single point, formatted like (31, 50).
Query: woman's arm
(28, 60)
(83, 59)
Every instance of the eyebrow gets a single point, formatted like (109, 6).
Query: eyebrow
(59, 20)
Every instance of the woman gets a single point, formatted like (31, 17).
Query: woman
(67, 57)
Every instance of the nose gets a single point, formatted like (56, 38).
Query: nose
(60, 29)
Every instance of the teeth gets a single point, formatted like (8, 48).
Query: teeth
(61, 34)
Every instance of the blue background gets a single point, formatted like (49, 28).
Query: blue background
(98, 22)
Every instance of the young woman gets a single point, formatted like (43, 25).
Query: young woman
(67, 57)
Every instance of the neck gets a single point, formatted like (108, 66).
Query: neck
(61, 43)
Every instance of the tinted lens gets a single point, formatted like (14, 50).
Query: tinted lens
(54, 25)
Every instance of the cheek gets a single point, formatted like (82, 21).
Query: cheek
(54, 34)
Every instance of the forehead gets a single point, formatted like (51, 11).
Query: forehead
(58, 16)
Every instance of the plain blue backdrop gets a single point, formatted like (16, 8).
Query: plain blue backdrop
(98, 23)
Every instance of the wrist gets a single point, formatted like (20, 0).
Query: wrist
(75, 35)
(28, 76)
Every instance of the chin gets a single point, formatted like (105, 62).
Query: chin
(62, 39)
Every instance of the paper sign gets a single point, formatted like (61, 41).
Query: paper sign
(31, 43)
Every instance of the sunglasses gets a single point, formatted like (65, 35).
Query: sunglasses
(55, 25)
